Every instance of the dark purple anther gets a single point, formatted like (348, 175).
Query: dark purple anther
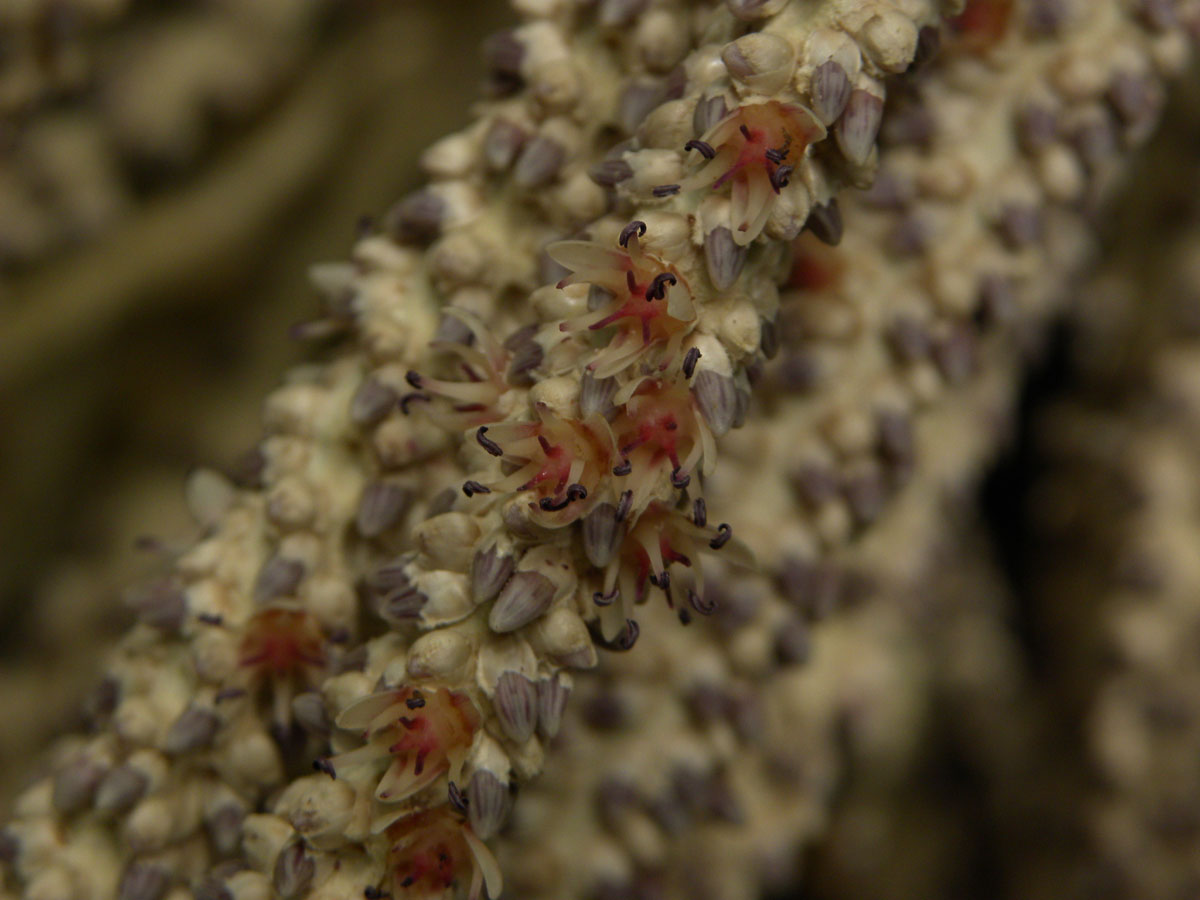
(457, 799)
(624, 468)
(471, 488)
(635, 227)
(665, 190)
(416, 701)
(706, 606)
(699, 513)
(779, 178)
(658, 287)
(704, 148)
(624, 505)
(605, 599)
(324, 765)
(724, 533)
(414, 378)
(487, 443)
(679, 479)
(689, 362)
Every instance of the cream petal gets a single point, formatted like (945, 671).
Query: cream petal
(486, 864)
(359, 714)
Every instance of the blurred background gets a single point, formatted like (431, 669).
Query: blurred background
(169, 169)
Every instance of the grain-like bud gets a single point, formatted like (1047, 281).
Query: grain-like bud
(610, 172)
(753, 10)
(527, 355)
(195, 729)
(717, 400)
(293, 874)
(383, 504)
(829, 91)
(709, 112)
(596, 395)
(372, 401)
(761, 61)
(857, 128)
(488, 804)
(144, 881)
(516, 704)
(121, 788)
(502, 143)
(601, 534)
(538, 162)
(308, 709)
(417, 219)
(723, 258)
(489, 571)
(825, 222)
(618, 13)
(161, 604)
(278, 578)
(525, 597)
(224, 826)
(552, 700)
(75, 783)
(397, 600)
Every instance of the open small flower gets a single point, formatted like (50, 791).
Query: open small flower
(644, 301)
(477, 398)
(431, 851)
(660, 434)
(422, 733)
(561, 460)
(283, 650)
(663, 549)
(754, 150)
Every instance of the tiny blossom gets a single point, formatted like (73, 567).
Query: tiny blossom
(561, 460)
(477, 398)
(425, 733)
(430, 851)
(756, 147)
(282, 649)
(651, 309)
(662, 545)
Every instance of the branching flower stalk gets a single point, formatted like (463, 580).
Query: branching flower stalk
(510, 466)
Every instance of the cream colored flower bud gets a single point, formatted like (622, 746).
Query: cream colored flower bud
(761, 61)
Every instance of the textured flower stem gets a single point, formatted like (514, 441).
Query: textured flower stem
(491, 478)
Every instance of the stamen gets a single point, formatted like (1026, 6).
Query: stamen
(704, 148)
(409, 398)
(745, 132)
(548, 504)
(689, 362)
(624, 468)
(702, 605)
(228, 694)
(630, 282)
(724, 533)
(471, 488)
(665, 190)
(685, 617)
(487, 443)
(622, 642)
(605, 599)
(210, 619)
(457, 798)
(629, 230)
(779, 178)
(680, 479)
(413, 377)
(658, 287)
(373, 893)
(699, 513)
(416, 701)
(576, 492)
(624, 505)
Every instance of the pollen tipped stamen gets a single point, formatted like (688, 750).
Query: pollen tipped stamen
(680, 479)
(658, 287)
(665, 190)
(724, 533)
(635, 227)
(414, 378)
(623, 468)
(779, 178)
(700, 604)
(689, 362)
(704, 148)
(487, 443)
(699, 513)
(413, 398)
(471, 488)
(601, 599)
